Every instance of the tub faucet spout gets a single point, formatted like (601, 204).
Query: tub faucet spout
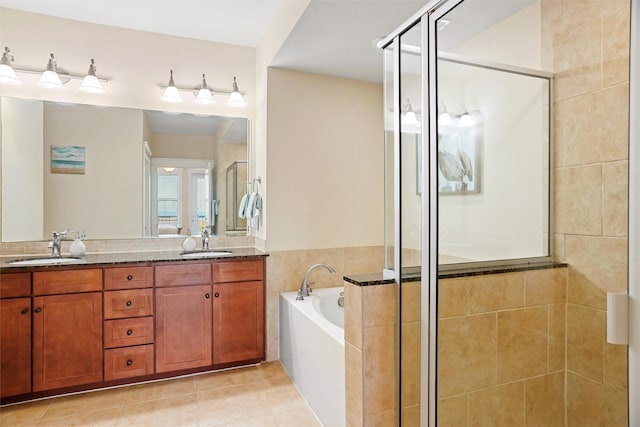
(304, 286)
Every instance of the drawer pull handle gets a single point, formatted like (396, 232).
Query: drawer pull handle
(24, 311)
(129, 332)
(217, 295)
(129, 277)
(129, 362)
(128, 303)
(207, 296)
(37, 310)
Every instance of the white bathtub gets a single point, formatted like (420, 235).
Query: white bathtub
(312, 350)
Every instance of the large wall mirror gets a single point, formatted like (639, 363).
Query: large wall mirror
(116, 173)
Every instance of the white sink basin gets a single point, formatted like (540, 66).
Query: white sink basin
(44, 261)
(205, 254)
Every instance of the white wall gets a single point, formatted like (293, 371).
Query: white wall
(111, 188)
(325, 162)
(22, 171)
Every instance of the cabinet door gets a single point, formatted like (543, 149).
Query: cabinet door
(67, 340)
(238, 323)
(183, 327)
(15, 346)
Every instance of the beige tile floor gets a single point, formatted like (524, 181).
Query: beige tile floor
(254, 396)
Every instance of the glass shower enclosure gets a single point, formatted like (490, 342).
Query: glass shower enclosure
(499, 201)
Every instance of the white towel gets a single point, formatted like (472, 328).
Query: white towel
(253, 209)
(242, 210)
(250, 205)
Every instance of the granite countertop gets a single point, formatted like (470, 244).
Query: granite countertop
(115, 258)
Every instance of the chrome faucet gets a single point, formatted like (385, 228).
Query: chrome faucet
(54, 244)
(205, 239)
(304, 286)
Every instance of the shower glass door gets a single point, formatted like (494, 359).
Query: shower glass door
(508, 126)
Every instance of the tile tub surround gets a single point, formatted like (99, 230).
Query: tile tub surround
(286, 269)
(250, 396)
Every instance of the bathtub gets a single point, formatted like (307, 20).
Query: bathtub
(312, 350)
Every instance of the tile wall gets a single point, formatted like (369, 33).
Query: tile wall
(588, 50)
(501, 351)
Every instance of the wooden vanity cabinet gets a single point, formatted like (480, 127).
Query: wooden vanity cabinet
(238, 311)
(15, 334)
(67, 328)
(128, 324)
(183, 316)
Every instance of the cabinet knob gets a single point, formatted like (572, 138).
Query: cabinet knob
(129, 277)
(129, 332)
(24, 311)
(129, 362)
(37, 310)
(128, 303)
(217, 295)
(207, 296)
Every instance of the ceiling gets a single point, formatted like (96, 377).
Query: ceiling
(227, 129)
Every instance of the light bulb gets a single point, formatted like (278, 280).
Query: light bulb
(7, 73)
(171, 93)
(50, 78)
(444, 119)
(204, 94)
(466, 120)
(235, 98)
(91, 83)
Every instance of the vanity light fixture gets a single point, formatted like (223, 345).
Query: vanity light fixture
(7, 73)
(50, 78)
(235, 98)
(204, 94)
(90, 83)
(171, 93)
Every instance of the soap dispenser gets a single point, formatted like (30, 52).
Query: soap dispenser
(189, 245)
(77, 247)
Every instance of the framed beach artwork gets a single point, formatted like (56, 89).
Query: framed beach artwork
(69, 159)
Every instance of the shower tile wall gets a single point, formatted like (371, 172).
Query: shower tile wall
(501, 349)
(587, 47)
(286, 269)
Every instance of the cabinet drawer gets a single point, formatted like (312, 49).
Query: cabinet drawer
(128, 277)
(15, 285)
(67, 281)
(128, 362)
(183, 274)
(125, 332)
(132, 303)
(237, 271)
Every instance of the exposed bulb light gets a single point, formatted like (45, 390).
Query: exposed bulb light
(204, 94)
(466, 120)
(442, 23)
(171, 93)
(91, 83)
(235, 98)
(7, 73)
(169, 169)
(50, 78)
